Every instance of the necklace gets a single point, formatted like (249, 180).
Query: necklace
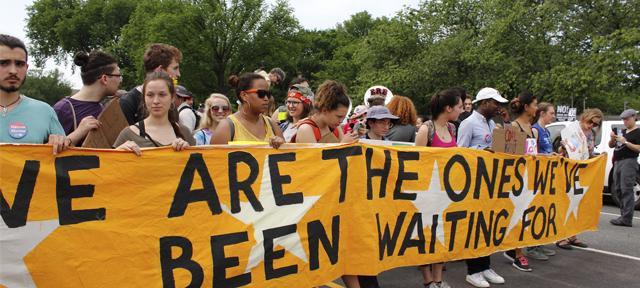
(6, 108)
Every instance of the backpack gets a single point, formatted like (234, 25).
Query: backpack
(316, 130)
(431, 131)
(194, 113)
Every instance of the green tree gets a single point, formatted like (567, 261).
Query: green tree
(45, 86)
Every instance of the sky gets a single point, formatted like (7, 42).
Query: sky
(312, 14)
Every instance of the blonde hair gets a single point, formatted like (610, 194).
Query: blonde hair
(589, 114)
(207, 120)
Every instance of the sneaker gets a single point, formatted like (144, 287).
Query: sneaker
(618, 222)
(547, 251)
(511, 255)
(478, 280)
(522, 264)
(439, 285)
(492, 276)
(535, 253)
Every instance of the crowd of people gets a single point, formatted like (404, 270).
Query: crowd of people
(160, 113)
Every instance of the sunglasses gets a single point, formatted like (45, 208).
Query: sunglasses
(220, 108)
(595, 124)
(261, 93)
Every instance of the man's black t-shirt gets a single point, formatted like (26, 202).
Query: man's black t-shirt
(131, 107)
(623, 152)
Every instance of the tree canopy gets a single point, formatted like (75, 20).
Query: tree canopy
(562, 51)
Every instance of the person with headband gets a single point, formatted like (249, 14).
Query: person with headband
(250, 122)
(160, 127)
(216, 108)
(299, 104)
(101, 77)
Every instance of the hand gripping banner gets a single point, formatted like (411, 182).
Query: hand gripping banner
(259, 217)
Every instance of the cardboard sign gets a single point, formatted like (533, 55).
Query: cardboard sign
(113, 121)
(509, 140)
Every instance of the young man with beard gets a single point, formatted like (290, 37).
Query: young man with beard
(24, 119)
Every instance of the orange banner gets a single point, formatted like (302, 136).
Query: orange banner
(259, 217)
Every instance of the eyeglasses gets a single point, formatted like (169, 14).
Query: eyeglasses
(114, 75)
(293, 103)
(261, 93)
(220, 108)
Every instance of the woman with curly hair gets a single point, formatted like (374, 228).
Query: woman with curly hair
(404, 129)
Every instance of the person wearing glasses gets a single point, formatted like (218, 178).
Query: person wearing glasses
(217, 108)
(590, 119)
(249, 123)
(299, 104)
(100, 78)
(379, 121)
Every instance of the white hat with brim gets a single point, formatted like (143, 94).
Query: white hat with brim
(489, 93)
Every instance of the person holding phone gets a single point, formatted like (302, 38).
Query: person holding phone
(626, 144)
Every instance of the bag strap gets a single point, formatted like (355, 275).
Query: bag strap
(431, 131)
(267, 121)
(314, 126)
(232, 129)
(144, 134)
(452, 129)
(73, 112)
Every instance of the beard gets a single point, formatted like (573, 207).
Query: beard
(12, 88)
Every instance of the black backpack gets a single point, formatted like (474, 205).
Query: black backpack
(194, 113)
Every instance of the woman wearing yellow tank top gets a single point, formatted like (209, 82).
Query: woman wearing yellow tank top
(249, 123)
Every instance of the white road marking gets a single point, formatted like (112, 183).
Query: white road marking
(617, 215)
(609, 253)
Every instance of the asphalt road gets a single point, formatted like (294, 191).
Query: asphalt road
(612, 260)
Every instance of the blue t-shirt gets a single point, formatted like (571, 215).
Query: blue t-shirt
(544, 139)
(32, 121)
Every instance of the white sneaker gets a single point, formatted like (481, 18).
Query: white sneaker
(478, 280)
(492, 276)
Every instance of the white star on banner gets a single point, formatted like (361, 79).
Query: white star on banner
(522, 202)
(574, 201)
(15, 244)
(272, 216)
(431, 202)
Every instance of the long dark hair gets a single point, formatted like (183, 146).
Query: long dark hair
(94, 64)
(518, 103)
(173, 113)
(445, 98)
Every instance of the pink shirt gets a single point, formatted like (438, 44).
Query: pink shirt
(437, 142)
